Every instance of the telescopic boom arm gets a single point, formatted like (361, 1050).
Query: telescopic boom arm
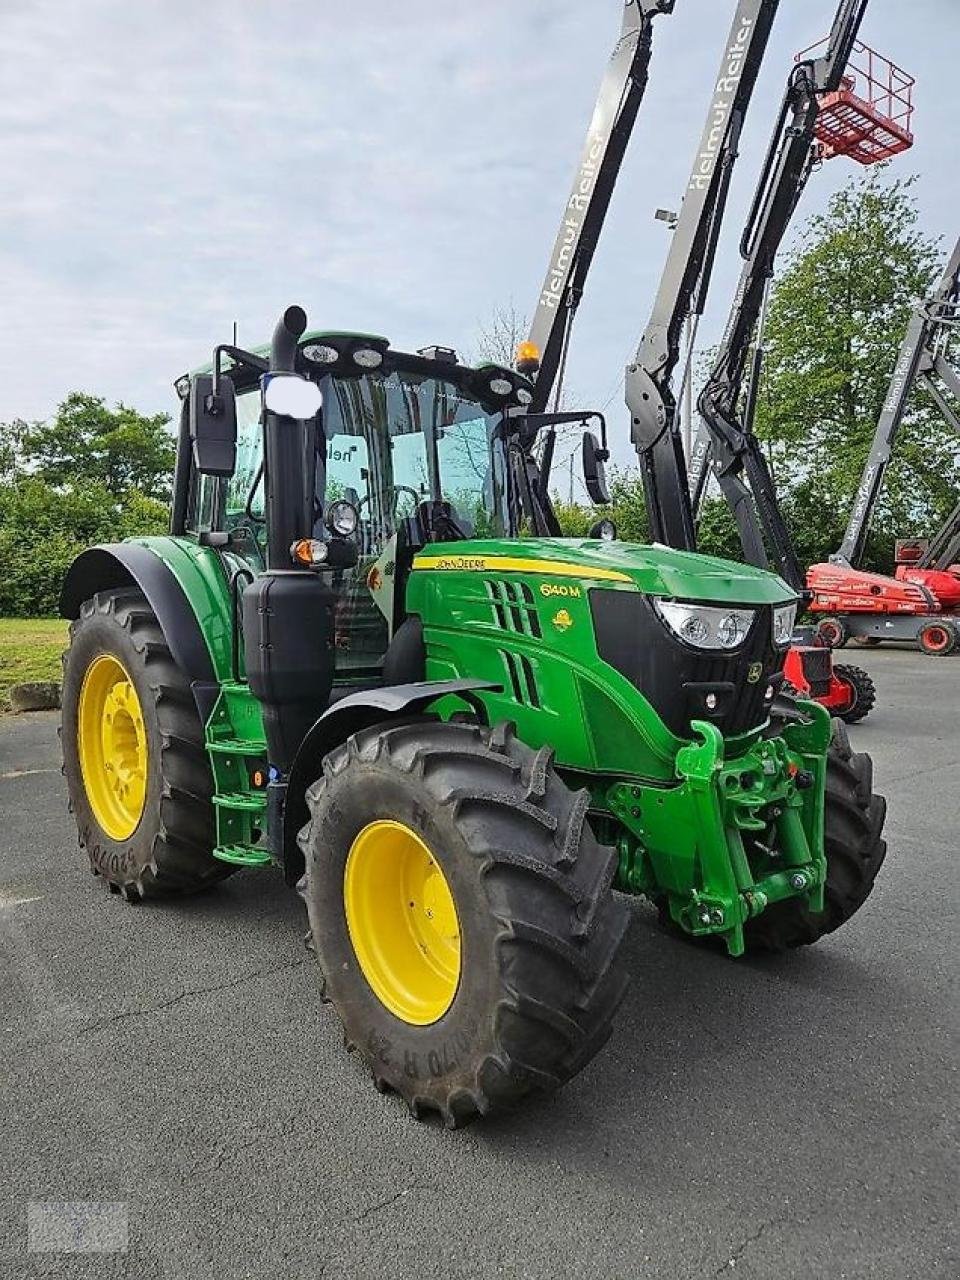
(790, 158)
(614, 116)
(921, 358)
(686, 279)
(944, 549)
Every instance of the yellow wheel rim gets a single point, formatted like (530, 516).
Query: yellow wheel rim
(402, 921)
(112, 747)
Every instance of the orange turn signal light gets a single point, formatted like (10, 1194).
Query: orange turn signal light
(310, 552)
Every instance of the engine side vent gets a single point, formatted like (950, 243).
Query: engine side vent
(522, 681)
(513, 607)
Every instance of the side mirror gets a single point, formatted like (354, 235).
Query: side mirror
(213, 425)
(593, 470)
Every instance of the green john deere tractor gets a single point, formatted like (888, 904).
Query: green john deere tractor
(364, 656)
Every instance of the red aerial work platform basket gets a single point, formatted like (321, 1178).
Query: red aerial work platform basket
(868, 118)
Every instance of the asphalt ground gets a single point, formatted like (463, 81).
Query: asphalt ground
(776, 1118)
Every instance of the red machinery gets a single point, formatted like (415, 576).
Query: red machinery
(868, 117)
(920, 553)
(810, 672)
(922, 601)
(871, 607)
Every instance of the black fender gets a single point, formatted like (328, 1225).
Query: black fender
(125, 564)
(348, 716)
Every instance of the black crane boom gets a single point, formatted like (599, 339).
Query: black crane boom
(615, 113)
(686, 279)
(736, 451)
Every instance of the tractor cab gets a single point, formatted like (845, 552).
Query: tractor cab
(405, 450)
(410, 449)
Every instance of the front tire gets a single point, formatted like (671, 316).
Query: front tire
(862, 690)
(462, 915)
(137, 774)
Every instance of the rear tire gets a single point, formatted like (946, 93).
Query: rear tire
(938, 638)
(855, 850)
(833, 632)
(538, 929)
(170, 849)
(862, 690)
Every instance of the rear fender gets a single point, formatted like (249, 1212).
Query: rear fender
(348, 716)
(126, 564)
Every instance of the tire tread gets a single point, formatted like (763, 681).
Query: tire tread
(547, 884)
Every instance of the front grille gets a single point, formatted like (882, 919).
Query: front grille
(676, 678)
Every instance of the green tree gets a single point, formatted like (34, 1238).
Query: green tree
(717, 531)
(86, 442)
(838, 313)
(11, 445)
(627, 509)
(43, 529)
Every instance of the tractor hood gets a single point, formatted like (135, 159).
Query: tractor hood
(652, 569)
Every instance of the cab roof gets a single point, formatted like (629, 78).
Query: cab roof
(346, 341)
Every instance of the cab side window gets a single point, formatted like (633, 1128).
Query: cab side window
(240, 486)
(244, 505)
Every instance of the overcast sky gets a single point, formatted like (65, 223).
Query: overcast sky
(170, 167)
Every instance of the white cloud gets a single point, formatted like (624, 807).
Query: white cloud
(170, 167)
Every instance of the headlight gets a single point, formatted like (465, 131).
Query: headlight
(706, 626)
(784, 616)
(524, 396)
(368, 358)
(320, 353)
(342, 519)
(500, 386)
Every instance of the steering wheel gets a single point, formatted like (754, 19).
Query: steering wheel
(396, 490)
(370, 536)
(405, 488)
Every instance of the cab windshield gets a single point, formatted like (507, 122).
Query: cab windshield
(398, 439)
(392, 440)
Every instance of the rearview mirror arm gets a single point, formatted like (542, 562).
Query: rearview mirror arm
(528, 424)
(245, 359)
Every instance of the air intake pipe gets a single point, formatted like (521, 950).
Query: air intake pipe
(287, 610)
(283, 346)
(289, 454)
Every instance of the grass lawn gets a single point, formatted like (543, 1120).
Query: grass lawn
(30, 649)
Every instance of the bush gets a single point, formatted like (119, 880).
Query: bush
(43, 529)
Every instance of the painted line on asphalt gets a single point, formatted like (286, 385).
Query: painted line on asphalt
(9, 900)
